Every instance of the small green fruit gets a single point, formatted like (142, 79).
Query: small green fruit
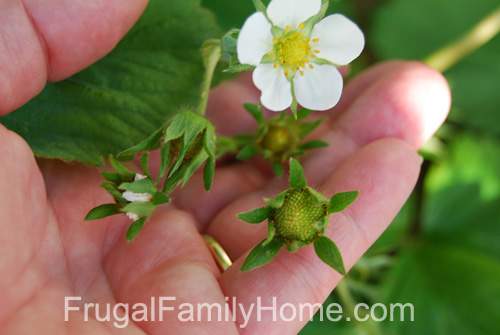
(300, 217)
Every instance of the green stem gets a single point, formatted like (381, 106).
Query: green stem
(368, 327)
(481, 34)
(212, 53)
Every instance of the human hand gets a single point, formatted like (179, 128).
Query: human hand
(48, 252)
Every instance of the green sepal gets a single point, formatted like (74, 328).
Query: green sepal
(297, 178)
(238, 68)
(262, 254)
(314, 144)
(112, 177)
(142, 209)
(278, 169)
(307, 128)
(160, 198)
(152, 142)
(303, 113)
(293, 246)
(341, 201)
(112, 189)
(259, 6)
(164, 160)
(320, 197)
(102, 211)
(135, 228)
(229, 47)
(208, 173)
(277, 201)
(329, 253)
(144, 163)
(256, 112)
(139, 186)
(255, 216)
(121, 169)
(271, 233)
(247, 152)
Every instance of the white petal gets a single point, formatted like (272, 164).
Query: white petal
(292, 12)
(255, 40)
(139, 176)
(136, 197)
(319, 88)
(276, 89)
(132, 216)
(340, 40)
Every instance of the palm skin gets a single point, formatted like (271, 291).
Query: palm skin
(49, 252)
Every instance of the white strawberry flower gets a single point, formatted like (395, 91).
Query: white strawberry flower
(296, 57)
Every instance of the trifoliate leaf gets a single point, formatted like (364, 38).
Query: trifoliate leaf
(135, 228)
(329, 253)
(102, 212)
(341, 201)
(122, 99)
(262, 254)
(297, 178)
(255, 216)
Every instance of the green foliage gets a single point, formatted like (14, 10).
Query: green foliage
(126, 96)
(255, 216)
(421, 31)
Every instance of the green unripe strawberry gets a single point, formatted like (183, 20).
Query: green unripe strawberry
(297, 217)
(300, 217)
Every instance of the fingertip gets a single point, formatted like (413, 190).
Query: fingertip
(410, 103)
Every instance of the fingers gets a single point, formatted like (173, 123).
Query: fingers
(385, 173)
(53, 39)
(168, 259)
(230, 183)
(403, 116)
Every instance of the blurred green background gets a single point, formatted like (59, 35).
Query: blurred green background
(442, 253)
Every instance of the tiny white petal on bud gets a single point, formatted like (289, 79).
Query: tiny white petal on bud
(136, 197)
(139, 176)
(132, 216)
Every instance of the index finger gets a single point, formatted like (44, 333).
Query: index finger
(50, 40)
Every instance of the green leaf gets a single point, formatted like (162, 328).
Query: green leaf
(143, 209)
(475, 80)
(112, 177)
(329, 253)
(453, 264)
(247, 152)
(102, 212)
(135, 228)
(255, 216)
(122, 99)
(314, 144)
(164, 159)
(256, 112)
(341, 201)
(139, 186)
(262, 254)
(297, 178)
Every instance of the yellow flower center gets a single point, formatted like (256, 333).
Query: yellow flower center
(293, 51)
